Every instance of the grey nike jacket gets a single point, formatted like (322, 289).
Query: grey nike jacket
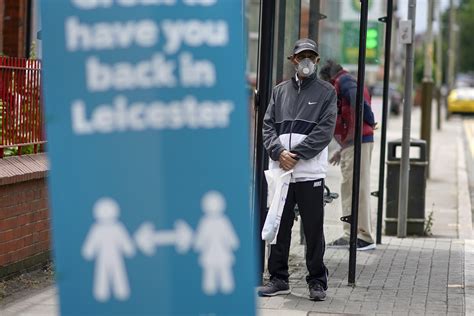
(300, 118)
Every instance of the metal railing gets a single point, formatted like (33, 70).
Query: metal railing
(21, 110)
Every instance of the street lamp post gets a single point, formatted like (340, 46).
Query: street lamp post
(405, 161)
(439, 66)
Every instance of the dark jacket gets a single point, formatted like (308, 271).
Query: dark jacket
(346, 88)
(300, 118)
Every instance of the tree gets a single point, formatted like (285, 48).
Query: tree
(466, 44)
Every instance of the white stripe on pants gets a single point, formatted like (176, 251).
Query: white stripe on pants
(347, 164)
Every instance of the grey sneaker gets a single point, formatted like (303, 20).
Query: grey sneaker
(339, 243)
(274, 287)
(363, 245)
(317, 292)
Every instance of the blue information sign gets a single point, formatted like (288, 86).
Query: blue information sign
(147, 122)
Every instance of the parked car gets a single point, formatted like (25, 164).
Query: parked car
(395, 97)
(461, 100)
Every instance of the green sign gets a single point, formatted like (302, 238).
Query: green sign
(350, 42)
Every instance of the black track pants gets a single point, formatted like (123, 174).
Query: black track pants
(309, 197)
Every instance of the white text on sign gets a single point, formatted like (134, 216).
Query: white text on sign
(169, 62)
(145, 33)
(96, 4)
(122, 116)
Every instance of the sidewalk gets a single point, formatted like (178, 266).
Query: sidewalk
(44, 303)
(410, 276)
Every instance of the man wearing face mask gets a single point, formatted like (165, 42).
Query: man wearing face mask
(298, 126)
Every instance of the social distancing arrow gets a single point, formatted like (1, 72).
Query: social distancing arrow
(148, 239)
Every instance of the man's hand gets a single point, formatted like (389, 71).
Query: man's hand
(336, 158)
(287, 160)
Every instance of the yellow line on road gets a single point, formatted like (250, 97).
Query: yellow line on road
(469, 129)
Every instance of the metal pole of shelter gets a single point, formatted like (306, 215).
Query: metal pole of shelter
(383, 142)
(359, 115)
(262, 97)
(405, 161)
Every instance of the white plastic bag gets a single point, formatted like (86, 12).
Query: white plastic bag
(278, 181)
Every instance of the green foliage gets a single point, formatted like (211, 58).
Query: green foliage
(2, 290)
(419, 66)
(33, 50)
(14, 151)
(429, 224)
(466, 44)
(465, 48)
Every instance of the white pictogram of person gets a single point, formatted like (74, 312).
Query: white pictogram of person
(216, 242)
(108, 242)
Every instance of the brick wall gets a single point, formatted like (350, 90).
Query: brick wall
(24, 216)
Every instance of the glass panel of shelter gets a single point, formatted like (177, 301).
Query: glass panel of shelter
(333, 24)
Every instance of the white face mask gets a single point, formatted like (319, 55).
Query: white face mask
(305, 68)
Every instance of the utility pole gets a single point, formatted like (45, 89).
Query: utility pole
(291, 33)
(439, 65)
(280, 53)
(314, 17)
(288, 17)
(407, 31)
(427, 85)
(452, 44)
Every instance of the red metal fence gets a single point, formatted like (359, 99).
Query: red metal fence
(21, 121)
